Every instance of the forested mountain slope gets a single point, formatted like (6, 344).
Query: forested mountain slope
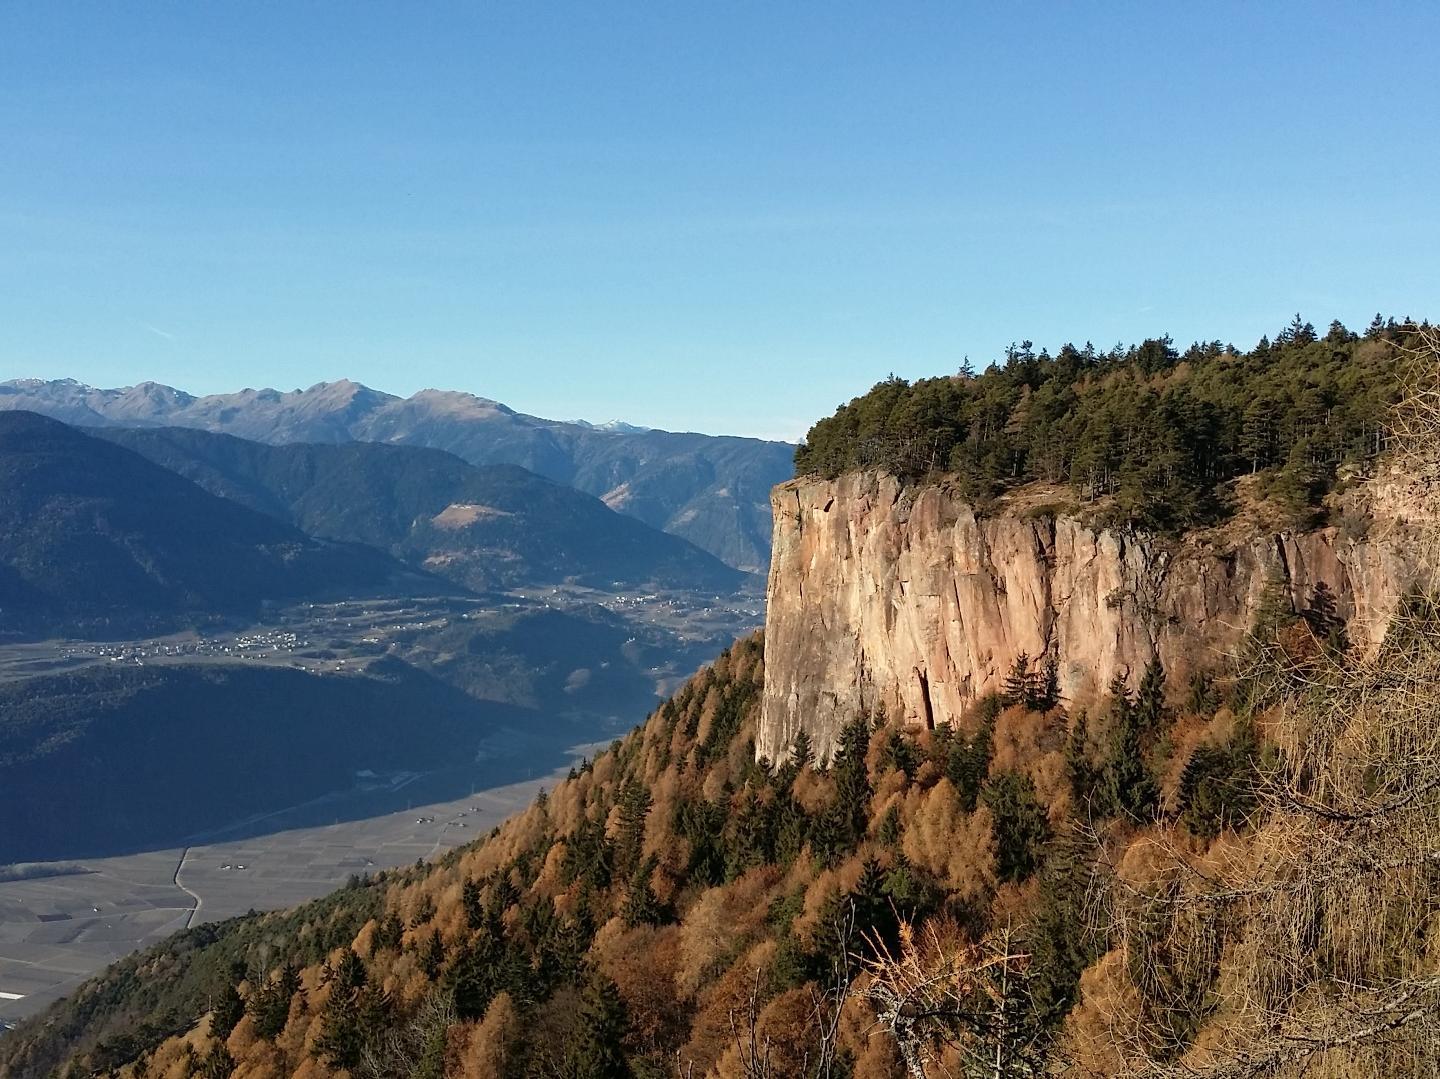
(1173, 880)
(489, 527)
(93, 534)
(711, 490)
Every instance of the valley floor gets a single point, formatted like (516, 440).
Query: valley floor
(68, 920)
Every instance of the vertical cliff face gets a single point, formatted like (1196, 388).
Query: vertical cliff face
(899, 598)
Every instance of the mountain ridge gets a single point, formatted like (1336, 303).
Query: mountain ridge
(710, 489)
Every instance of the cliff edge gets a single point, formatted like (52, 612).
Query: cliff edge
(899, 598)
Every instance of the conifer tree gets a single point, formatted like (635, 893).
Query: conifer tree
(1017, 688)
(270, 1004)
(1126, 786)
(875, 919)
(432, 954)
(852, 781)
(390, 932)
(1201, 698)
(635, 804)
(342, 1038)
(802, 752)
(471, 902)
(1274, 611)
(471, 985)
(1078, 769)
(834, 935)
(228, 1008)
(969, 762)
(792, 829)
(1046, 688)
(641, 906)
(889, 831)
(216, 1064)
(1021, 827)
(599, 1049)
(901, 754)
(1062, 939)
(1150, 700)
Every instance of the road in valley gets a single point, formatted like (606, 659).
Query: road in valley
(66, 921)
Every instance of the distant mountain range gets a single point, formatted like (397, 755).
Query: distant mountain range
(94, 534)
(484, 527)
(711, 490)
(395, 663)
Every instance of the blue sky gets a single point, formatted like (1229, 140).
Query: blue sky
(720, 217)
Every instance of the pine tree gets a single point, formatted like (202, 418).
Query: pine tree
(749, 844)
(1061, 939)
(390, 932)
(1017, 686)
(1150, 701)
(1021, 827)
(599, 1049)
(852, 781)
(228, 1010)
(833, 938)
(471, 984)
(471, 902)
(889, 831)
(901, 754)
(216, 1064)
(1218, 785)
(1257, 433)
(909, 889)
(1046, 688)
(432, 954)
(635, 804)
(431, 1064)
(802, 752)
(875, 918)
(270, 1004)
(1078, 768)
(792, 828)
(641, 906)
(589, 855)
(1274, 611)
(1322, 615)
(969, 762)
(1126, 785)
(342, 1037)
(1201, 699)
(503, 896)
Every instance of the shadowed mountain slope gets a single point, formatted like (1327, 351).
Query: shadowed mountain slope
(91, 531)
(484, 527)
(123, 758)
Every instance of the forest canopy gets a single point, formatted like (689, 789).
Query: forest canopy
(1155, 434)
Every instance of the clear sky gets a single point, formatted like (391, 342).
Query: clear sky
(724, 217)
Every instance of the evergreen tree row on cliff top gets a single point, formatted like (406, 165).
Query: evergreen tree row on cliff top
(1154, 433)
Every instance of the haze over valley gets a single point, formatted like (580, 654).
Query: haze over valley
(205, 638)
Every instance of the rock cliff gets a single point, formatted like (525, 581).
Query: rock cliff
(899, 598)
